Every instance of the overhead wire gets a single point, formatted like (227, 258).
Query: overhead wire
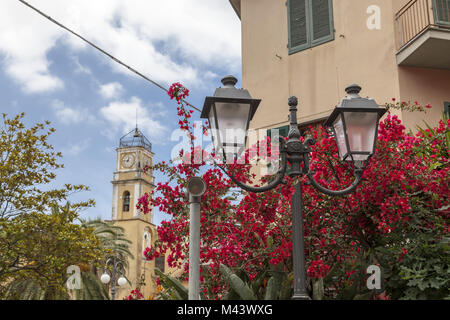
(103, 51)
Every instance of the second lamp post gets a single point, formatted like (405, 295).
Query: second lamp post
(117, 267)
(354, 123)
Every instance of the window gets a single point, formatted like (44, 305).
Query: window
(305, 129)
(126, 201)
(447, 109)
(310, 23)
(146, 241)
(282, 132)
(160, 263)
(442, 11)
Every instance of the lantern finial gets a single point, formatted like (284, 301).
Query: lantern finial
(353, 89)
(229, 81)
(293, 102)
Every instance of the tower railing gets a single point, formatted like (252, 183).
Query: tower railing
(135, 138)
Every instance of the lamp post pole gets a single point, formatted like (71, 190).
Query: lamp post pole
(298, 245)
(194, 248)
(105, 278)
(196, 188)
(113, 278)
(298, 242)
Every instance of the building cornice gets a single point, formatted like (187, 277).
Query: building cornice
(236, 4)
(132, 181)
(135, 219)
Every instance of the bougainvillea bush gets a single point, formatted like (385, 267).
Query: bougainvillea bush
(396, 219)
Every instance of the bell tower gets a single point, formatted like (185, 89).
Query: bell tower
(131, 182)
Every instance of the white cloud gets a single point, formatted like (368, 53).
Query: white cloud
(79, 68)
(111, 90)
(76, 148)
(169, 41)
(121, 116)
(24, 43)
(68, 115)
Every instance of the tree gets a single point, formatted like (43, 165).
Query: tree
(106, 240)
(27, 165)
(37, 248)
(400, 199)
(112, 239)
(39, 237)
(114, 244)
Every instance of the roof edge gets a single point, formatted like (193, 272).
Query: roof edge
(236, 4)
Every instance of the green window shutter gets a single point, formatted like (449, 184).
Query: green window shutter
(447, 108)
(283, 132)
(442, 11)
(310, 23)
(322, 21)
(298, 25)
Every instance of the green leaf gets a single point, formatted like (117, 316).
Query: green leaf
(318, 289)
(241, 288)
(364, 296)
(180, 291)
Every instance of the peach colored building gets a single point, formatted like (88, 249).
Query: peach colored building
(313, 49)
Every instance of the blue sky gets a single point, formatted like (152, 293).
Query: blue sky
(90, 100)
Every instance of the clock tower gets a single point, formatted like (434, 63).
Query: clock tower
(130, 182)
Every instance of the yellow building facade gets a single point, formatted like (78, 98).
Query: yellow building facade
(313, 49)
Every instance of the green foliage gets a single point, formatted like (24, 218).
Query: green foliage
(40, 247)
(340, 285)
(27, 164)
(39, 238)
(28, 289)
(91, 288)
(174, 289)
(112, 239)
(91, 243)
(421, 274)
(437, 144)
(273, 284)
(237, 284)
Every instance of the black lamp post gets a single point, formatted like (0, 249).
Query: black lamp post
(117, 267)
(354, 122)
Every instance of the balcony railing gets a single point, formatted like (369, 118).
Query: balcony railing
(418, 16)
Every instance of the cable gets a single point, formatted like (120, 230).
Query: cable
(103, 51)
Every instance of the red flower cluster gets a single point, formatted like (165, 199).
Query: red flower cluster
(251, 231)
(135, 295)
(178, 92)
(318, 269)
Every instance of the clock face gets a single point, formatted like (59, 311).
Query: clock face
(128, 160)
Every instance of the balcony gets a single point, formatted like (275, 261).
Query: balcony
(423, 34)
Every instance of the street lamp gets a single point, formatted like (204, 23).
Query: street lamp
(117, 266)
(229, 112)
(354, 123)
